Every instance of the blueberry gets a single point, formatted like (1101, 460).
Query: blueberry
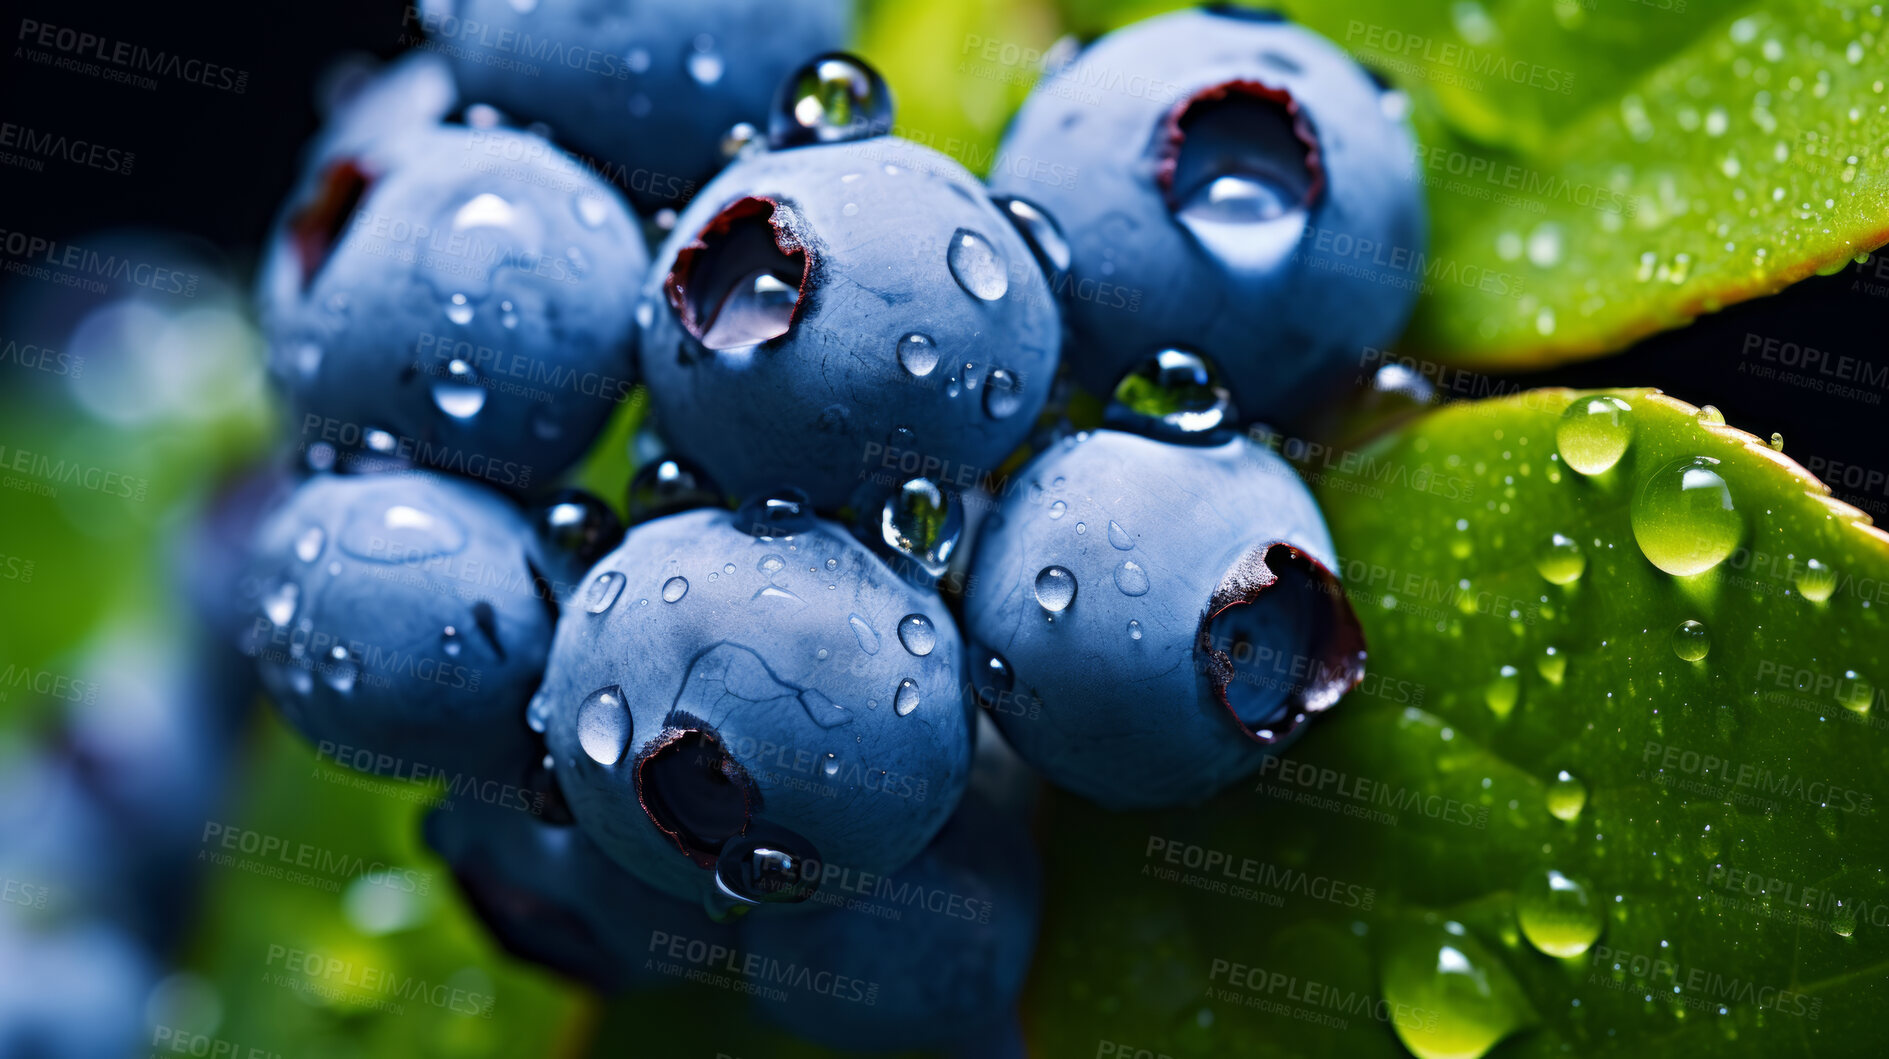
(454, 303)
(1149, 621)
(720, 703)
(73, 991)
(551, 897)
(826, 316)
(650, 87)
(946, 969)
(397, 615)
(1240, 188)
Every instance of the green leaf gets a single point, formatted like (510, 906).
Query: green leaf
(1722, 816)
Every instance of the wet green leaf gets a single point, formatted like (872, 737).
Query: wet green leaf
(1716, 837)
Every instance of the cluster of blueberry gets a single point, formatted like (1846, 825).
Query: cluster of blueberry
(753, 728)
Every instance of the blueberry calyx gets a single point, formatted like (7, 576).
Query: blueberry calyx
(1245, 13)
(1180, 177)
(320, 224)
(744, 278)
(1284, 587)
(695, 792)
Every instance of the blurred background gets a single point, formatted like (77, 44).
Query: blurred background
(127, 731)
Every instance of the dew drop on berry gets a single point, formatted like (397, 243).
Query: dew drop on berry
(775, 513)
(923, 522)
(1174, 395)
(279, 604)
(1131, 578)
(905, 699)
(833, 98)
(1558, 914)
(668, 485)
(1058, 510)
(917, 354)
(864, 633)
(1042, 233)
(459, 394)
(603, 592)
(978, 266)
(992, 679)
(604, 725)
(1119, 537)
(674, 589)
(1055, 589)
(1003, 394)
(450, 642)
(340, 671)
(768, 865)
(704, 63)
(309, 544)
(917, 634)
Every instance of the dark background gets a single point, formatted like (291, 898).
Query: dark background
(216, 164)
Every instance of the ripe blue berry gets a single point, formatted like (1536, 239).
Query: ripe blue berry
(454, 301)
(652, 88)
(945, 969)
(1241, 189)
(824, 315)
(396, 615)
(550, 896)
(719, 702)
(1150, 620)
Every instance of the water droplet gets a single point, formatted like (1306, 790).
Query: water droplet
(604, 725)
(923, 522)
(1711, 415)
(309, 544)
(459, 394)
(1058, 510)
(905, 700)
(1041, 232)
(591, 209)
(674, 589)
(1129, 577)
(451, 642)
(771, 564)
(917, 634)
(666, 486)
(380, 532)
(1469, 1000)
(1248, 221)
(1777, 442)
(1557, 914)
(1173, 394)
(341, 671)
(458, 310)
(863, 632)
(538, 714)
(1560, 560)
(1816, 581)
(1552, 665)
(1055, 588)
(758, 307)
(704, 65)
(1134, 629)
(1503, 691)
(1691, 641)
(993, 679)
(1854, 692)
(831, 767)
(1119, 537)
(603, 592)
(1594, 433)
(1683, 517)
(1567, 796)
(834, 97)
(918, 355)
(279, 604)
(1003, 394)
(767, 864)
(978, 266)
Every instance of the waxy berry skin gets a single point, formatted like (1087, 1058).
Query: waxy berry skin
(1241, 189)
